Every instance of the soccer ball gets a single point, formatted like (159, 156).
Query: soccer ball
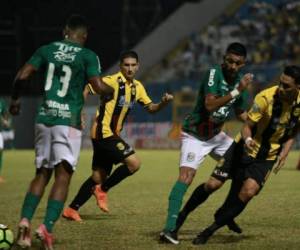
(6, 237)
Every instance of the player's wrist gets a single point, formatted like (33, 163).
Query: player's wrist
(234, 93)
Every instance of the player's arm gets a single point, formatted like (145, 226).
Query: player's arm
(100, 87)
(155, 107)
(22, 77)
(213, 102)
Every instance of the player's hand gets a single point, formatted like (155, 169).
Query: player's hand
(245, 81)
(279, 163)
(250, 144)
(15, 107)
(166, 98)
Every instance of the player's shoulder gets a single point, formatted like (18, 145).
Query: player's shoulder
(268, 93)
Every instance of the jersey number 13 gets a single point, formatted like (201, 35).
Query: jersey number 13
(64, 79)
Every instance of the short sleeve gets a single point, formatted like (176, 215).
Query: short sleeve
(142, 96)
(258, 108)
(210, 82)
(37, 59)
(93, 66)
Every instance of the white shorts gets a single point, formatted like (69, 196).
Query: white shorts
(8, 135)
(56, 143)
(1, 141)
(193, 150)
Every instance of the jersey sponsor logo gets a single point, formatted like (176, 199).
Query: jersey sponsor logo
(54, 104)
(66, 53)
(211, 77)
(190, 156)
(124, 103)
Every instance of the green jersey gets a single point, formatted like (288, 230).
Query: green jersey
(68, 67)
(3, 113)
(204, 124)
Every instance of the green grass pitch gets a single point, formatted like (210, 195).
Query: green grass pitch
(138, 207)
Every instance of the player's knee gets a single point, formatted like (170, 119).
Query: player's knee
(134, 166)
(186, 175)
(247, 194)
(212, 185)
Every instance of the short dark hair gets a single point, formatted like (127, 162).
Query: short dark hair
(128, 53)
(76, 22)
(294, 72)
(237, 49)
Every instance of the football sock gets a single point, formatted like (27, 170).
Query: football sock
(53, 212)
(198, 196)
(230, 212)
(84, 194)
(30, 204)
(117, 176)
(175, 201)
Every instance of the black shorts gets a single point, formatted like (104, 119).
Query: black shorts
(109, 151)
(259, 170)
(229, 162)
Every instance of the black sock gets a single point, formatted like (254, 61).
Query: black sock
(117, 176)
(85, 192)
(198, 197)
(227, 214)
(231, 198)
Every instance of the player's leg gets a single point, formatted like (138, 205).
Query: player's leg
(121, 152)
(87, 189)
(223, 145)
(37, 185)
(65, 148)
(193, 152)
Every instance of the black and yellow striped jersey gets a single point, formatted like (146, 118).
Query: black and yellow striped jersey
(275, 122)
(111, 115)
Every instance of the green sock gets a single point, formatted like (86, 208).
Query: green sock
(30, 204)
(175, 201)
(53, 212)
(1, 153)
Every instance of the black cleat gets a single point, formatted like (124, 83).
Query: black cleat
(203, 237)
(180, 220)
(233, 226)
(169, 237)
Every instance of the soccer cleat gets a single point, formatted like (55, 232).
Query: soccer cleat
(101, 198)
(71, 214)
(203, 237)
(24, 238)
(233, 226)
(169, 237)
(45, 237)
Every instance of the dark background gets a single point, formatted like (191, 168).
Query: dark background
(114, 26)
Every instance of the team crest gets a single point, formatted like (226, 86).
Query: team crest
(255, 108)
(190, 157)
(120, 146)
(296, 112)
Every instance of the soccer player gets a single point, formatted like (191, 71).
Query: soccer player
(109, 148)
(3, 124)
(57, 131)
(223, 88)
(267, 136)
